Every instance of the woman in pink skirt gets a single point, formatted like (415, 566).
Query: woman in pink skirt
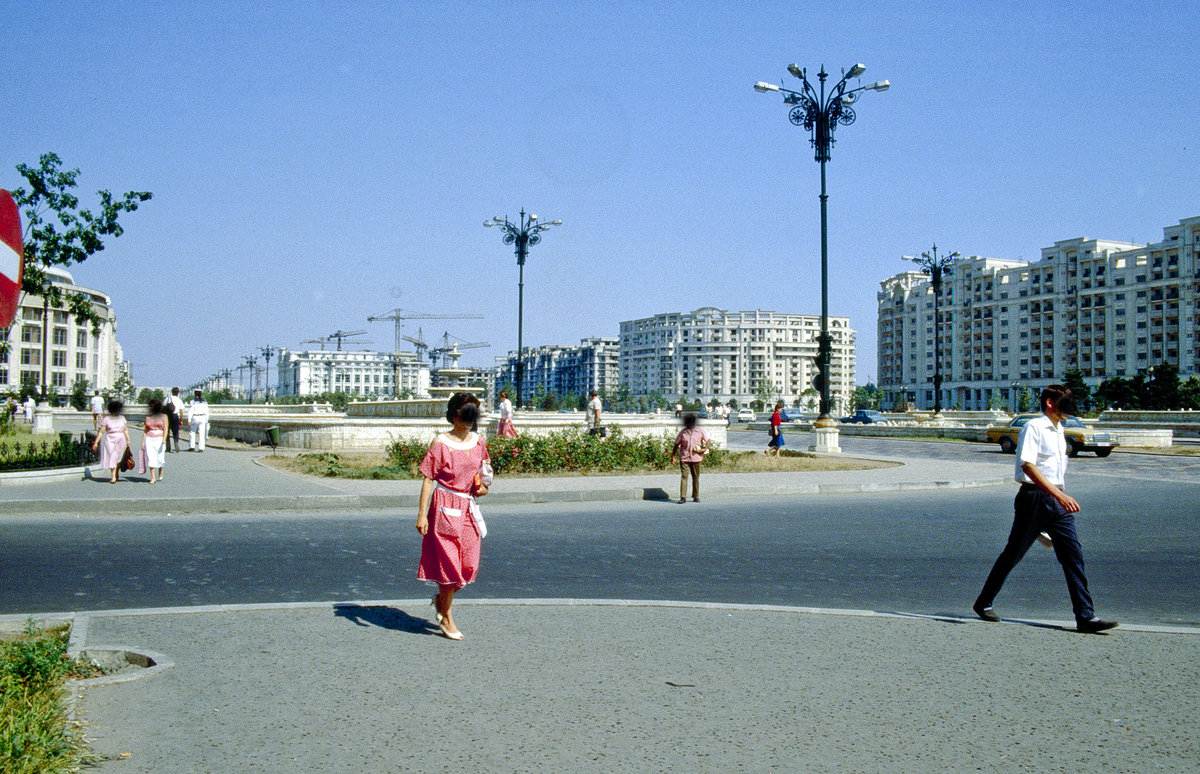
(112, 440)
(505, 407)
(455, 470)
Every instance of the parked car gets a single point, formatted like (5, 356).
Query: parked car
(865, 417)
(1080, 437)
(745, 415)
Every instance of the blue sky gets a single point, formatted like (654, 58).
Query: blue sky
(313, 164)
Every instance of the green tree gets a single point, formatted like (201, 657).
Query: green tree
(81, 391)
(1121, 393)
(1073, 380)
(995, 401)
(58, 232)
(1162, 391)
(865, 396)
(1189, 394)
(765, 392)
(622, 399)
(1025, 401)
(143, 395)
(123, 388)
(548, 401)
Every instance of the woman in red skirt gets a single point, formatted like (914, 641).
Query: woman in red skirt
(456, 470)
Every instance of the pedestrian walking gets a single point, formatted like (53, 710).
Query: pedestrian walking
(154, 439)
(456, 470)
(30, 404)
(594, 409)
(690, 447)
(776, 432)
(174, 409)
(97, 409)
(112, 440)
(506, 429)
(1042, 505)
(197, 416)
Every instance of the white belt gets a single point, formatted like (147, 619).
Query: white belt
(476, 514)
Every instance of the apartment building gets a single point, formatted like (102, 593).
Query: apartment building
(68, 349)
(579, 369)
(359, 372)
(712, 353)
(1107, 308)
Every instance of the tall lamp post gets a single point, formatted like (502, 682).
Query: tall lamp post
(820, 113)
(268, 352)
(525, 233)
(937, 267)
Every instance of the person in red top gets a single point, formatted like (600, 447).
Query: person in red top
(690, 446)
(776, 442)
(456, 470)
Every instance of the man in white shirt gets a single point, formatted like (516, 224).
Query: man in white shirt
(174, 419)
(197, 422)
(97, 409)
(1041, 505)
(594, 408)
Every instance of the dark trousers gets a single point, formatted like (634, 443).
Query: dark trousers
(173, 430)
(686, 468)
(1034, 512)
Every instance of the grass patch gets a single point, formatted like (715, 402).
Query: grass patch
(35, 735)
(369, 466)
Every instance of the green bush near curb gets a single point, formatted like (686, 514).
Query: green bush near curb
(35, 735)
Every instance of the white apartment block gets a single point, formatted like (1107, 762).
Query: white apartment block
(711, 353)
(359, 372)
(1107, 308)
(70, 349)
(590, 365)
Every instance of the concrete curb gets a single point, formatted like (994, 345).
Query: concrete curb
(19, 477)
(423, 602)
(180, 505)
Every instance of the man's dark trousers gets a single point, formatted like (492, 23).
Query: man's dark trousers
(1036, 511)
(173, 430)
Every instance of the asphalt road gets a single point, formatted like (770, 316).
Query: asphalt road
(924, 552)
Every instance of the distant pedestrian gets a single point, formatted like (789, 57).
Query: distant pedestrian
(174, 409)
(456, 470)
(29, 405)
(1041, 505)
(112, 440)
(690, 447)
(197, 416)
(154, 439)
(97, 409)
(776, 431)
(725, 411)
(594, 409)
(506, 428)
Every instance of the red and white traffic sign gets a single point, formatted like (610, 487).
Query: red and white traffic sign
(11, 261)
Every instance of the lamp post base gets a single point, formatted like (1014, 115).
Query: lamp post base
(43, 419)
(825, 437)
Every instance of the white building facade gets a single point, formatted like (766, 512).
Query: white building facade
(1106, 308)
(711, 353)
(359, 372)
(68, 348)
(590, 365)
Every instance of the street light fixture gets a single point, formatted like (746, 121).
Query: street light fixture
(525, 233)
(937, 267)
(820, 113)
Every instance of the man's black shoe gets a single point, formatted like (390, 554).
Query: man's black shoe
(986, 613)
(1096, 625)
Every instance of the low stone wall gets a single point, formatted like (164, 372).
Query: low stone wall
(1134, 437)
(416, 408)
(339, 432)
(1185, 424)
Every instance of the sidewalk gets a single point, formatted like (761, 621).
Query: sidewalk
(234, 480)
(560, 685)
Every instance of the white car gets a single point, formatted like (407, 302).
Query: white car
(745, 415)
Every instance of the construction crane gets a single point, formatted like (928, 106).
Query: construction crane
(451, 344)
(399, 315)
(418, 344)
(315, 341)
(340, 334)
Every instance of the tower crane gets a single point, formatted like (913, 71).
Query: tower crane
(418, 343)
(399, 315)
(451, 344)
(315, 341)
(340, 334)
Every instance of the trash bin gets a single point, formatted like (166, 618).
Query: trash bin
(273, 436)
(65, 437)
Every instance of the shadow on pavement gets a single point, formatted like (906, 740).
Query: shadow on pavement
(385, 618)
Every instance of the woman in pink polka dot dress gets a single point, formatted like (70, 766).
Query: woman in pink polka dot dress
(456, 471)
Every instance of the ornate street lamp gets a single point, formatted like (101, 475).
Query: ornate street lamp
(937, 267)
(820, 114)
(525, 233)
(268, 352)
